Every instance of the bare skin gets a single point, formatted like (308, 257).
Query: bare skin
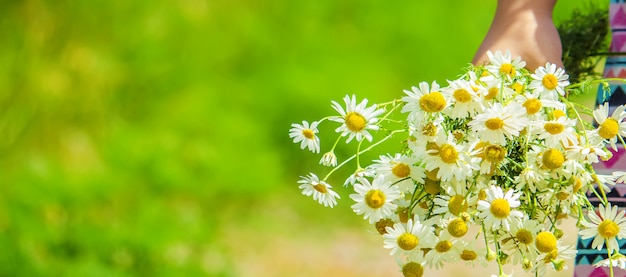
(524, 27)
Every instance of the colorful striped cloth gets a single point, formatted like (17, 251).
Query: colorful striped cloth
(615, 67)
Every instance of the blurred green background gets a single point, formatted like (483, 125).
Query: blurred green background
(149, 138)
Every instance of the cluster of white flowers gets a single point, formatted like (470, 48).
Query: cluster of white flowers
(499, 153)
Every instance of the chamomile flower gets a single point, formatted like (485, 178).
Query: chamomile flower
(374, 200)
(556, 259)
(610, 128)
(549, 81)
(491, 155)
(499, 122)
(497, 209)
(445, 250)
(617, 260)
(306, 135)
(494, 90)
(356, 119)
(450, 159)
(464, 101)
(472, 254)
(321, 191)
(606, 228)
(501, 64)
(400, 170)
(535, 106)
(589, 149)
(422, 100)
(454, 202)
(522, 242)
(409, 238)
(557, 133)
(620, 177)
(329, 159)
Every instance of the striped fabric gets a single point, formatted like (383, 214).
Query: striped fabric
(615, 67)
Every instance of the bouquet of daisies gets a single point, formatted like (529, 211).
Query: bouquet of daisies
(491, 164)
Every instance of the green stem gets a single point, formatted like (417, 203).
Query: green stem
(364, 150)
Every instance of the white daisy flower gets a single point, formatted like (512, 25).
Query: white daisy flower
(535, 106)
(454, 203)
(498, 208)
(607, 228)
(357, 119)
(409, 239)
(522, 242)
(549, 81)
(589, 149)
(447, 249)
(305, 134)
(617, 260)
(321, 191)
(450, 160)
(557, 133)
(494, 90)
(620, 177)
(532, 177)
(497, 123)
(400, 170)
(412, 266)
(501, 64)
(464, 101)
(471, 253)
(610, 127)
(374, 200)
(491, 155)
(424, 99)
(555, 259)
(329, 159)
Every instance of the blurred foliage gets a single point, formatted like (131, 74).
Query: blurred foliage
(584, 37)
(132, 130)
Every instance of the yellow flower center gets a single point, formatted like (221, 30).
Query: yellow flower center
(433, 102)
(403, 215)
(532, 106)
(432, 187)
(462, 95)
(401, 170)
(551, 256)
(429, 129)
(558, 113)
(375, 199)
(517, 87)
(308, 134)
(553, 127)
(494, 123)
(524, 236)
(553, 158)
(549, 81)
(355, 121)
(457, 204)
(412, 269)
(320, 187)
(492, 93)
(443, 246)
(508, 69)
(562, 195)
(608, 229)
(457, 227)
(408, 241)
(500, 208)
(468, 255)
(482, 194)
(545, 242)
(609, 128)
(381, 225)
(448, 154)
(494, 153)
